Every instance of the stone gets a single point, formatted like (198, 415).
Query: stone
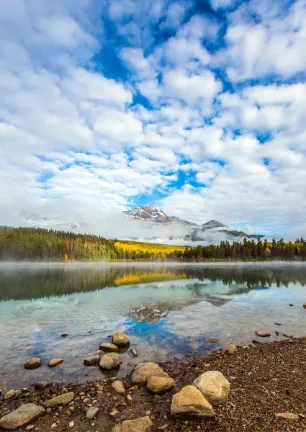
(64, 334)
(30, 427)
(304, 305)
(55, 362)
(41, 385)
(64, 399)
(114, 413)
(142, 424)
(232, 349)
(9, 394)
(91, 413)
(118, 387)
(53, 426)
(109, 361)
(92, 361)
(213, 340)
(71, 424)
(22, 416)
(287, 416)
(261, 333)
(108, 347)
(214, 386)
(134, 352)
(33, 363)
(191, 402)
(120, 339)
(143, 371)
(158, 384)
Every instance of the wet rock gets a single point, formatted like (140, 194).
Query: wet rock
(213, 340)
(158, 384)
(134, 352)
(55, 362)
(304, 305)
(214, 386)
(41, 385)
(108, 347)
(109, 361)
(64, 399)
(287, 416)
(118, 387)
(22, 416)
(92, 361)
(91, 413)
(120, 339)
(64, 334)
(232, 349)
(9, 394)
(142, 424)
(33, 363)
(143, 371)
(191, 402)
(262, 333)
(278, 324)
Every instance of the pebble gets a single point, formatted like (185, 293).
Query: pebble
(287, 416)
(71, 424)
(55, 362)
(232, 349)
(9, 394)
(91, 413)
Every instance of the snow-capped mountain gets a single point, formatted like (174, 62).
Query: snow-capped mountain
(155, 215)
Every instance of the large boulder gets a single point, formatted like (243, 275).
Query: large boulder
(142, 424)
(22, 416)
(143, 371)
(214, 386)
(33, 363)
(191, 402)
(109, 361)
(158, 384)
(120, 339)
(63, 399)
(108, 347)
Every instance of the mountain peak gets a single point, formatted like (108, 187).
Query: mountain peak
(150, 213)
(213, 224)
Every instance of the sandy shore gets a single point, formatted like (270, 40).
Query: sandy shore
(265, 379)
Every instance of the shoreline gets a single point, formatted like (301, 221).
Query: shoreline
(265, 379)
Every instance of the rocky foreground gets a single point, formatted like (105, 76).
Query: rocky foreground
(259, 387)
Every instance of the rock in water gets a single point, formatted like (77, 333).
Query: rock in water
(118, 387)
(33, 363)
(91, 413)
(92, 361)
(142, 424)
(160, 384)
(261, 333)
(232, 349)
(143, 371)
(304, 305)
(41, 385)
(64, 399)
(108, 347)
(120, 338)
(55, 362)
(22, 416)
(109, 361)
(214, 386)
(191, 402)
(213, 340)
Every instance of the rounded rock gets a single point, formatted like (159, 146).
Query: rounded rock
(33, 363)
(232, 349)
(108, 347)
(262, 333)
(120, 339)
(214, 386)
(143, 371)
(109, 361)
(118, 387)
(160, 384)
(55, 362)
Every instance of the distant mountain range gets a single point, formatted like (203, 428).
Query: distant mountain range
(211, 231)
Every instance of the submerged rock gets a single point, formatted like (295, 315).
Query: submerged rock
(191, 402)
(143, 371)
(64, 399)
(214, 386)
(120, 339)
(22, 416)
(158, 384)
(262, 333)
(108, 347)
(109, 361)
(55, 362)
(92, 361)
(213, 340)
(142, 424)
(33, 363)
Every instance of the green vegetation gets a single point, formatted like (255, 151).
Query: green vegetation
(35, 244)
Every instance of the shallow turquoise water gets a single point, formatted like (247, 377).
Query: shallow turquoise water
(167, 310)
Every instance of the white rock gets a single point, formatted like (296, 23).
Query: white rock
(214, 386)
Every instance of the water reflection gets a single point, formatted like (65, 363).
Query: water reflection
(167, 310)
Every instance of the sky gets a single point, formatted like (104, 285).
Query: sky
(195, 106)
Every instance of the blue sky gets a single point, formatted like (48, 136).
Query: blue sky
(198, 107)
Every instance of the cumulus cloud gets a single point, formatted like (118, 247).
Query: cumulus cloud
(158, 102)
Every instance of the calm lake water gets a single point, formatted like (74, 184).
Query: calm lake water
(168, 311)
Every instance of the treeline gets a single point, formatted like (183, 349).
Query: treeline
(36, 244)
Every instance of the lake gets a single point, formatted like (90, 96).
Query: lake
(169, 311)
